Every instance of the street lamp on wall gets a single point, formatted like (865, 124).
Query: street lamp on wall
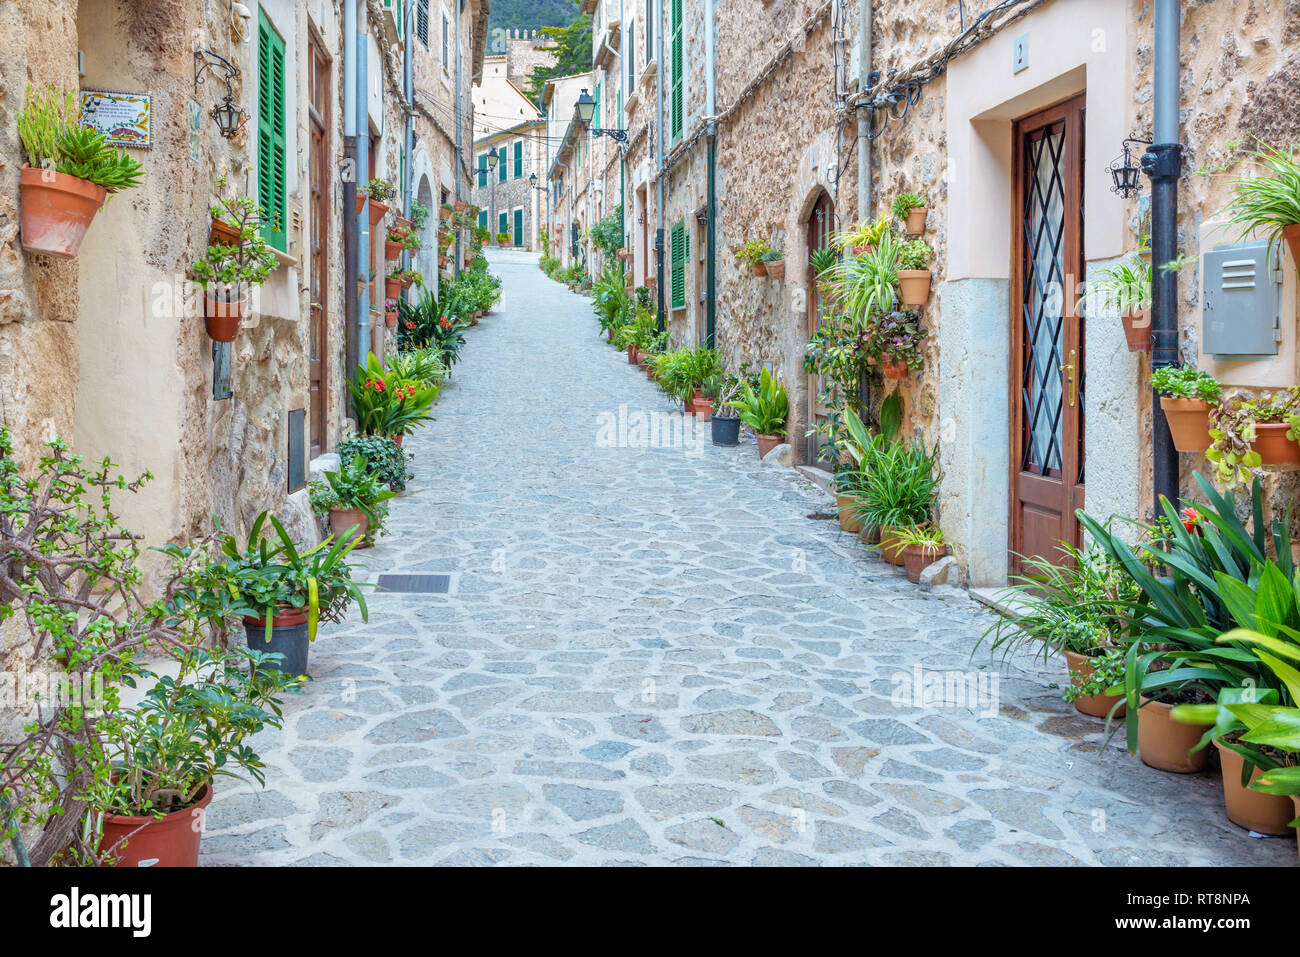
(586, 107)
(230, 119)
(1126, 176)
(492, 158)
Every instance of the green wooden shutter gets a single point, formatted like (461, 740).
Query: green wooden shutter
(519, 227)
(271, 173)
(482, 169)
(482, 218)
(503, 223)
(503, 165)
(678, 264)
(519, 158)
(678, 58)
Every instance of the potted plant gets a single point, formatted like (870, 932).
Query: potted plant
(764, 409)
(393, 244)
(774, 264)
(1186, 396)
(289, 591)
(390, 313)
(1247, 433)
(229, 270)
(1271, 201)
(723, 389)
(911, 209)
(751, 254)
(897, 492)
(69, 173)
(823, 261)
(1125, 288)
(353, 498)
(863, 237)
(385, 404)
(894, 340)
(502, 239)
(914, 257)
(381, 192)
(923, 545)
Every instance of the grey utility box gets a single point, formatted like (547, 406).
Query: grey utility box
(1241, 309)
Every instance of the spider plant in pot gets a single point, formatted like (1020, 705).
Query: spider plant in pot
(868, 284)
(288, 591)
(1248, 433)
(821, 261)
(923, 545)
(722, 389)
(856, 447)
(1186, 396)
(1076, 604)
(894, 340)
(914, 257)
(863, 237)
(354, 499)
(1125, 288)
(774, 264)
(897, 491)
(1270, 201)
(70, 173)
(229, 270)
(764, 409)
(910, 209)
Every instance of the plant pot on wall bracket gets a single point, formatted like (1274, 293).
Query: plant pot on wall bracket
(894, 369)
(1292, 236)
(392, 288)
(377, 212)
(222, 233)
(1137, 330)
(1273, 446)
(390, 319)
(914, 286)
(759, 268)
(223, 309)
(361, 201)
(916, 219)
(56, 210)
(392, 250)
(775, 269)
(1189, 423)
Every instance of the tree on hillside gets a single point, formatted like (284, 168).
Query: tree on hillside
(571, 46)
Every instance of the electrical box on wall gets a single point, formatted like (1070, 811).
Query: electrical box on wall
(1241, 303)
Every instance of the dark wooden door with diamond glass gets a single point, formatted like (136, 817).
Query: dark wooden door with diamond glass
(1047, 334)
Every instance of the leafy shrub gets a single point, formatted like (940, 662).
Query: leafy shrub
(384, 458)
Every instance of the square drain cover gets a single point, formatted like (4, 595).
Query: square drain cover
(416, 584)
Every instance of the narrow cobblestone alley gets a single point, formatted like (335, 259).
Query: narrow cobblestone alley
(654, 655)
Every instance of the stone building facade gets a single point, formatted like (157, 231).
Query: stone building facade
(787, 104)
(506, 121)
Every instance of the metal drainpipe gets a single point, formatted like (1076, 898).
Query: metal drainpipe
(711, 201)
(363, 176)
(1163, 164)
(350, 219)
(456, 160)
(864, 142)
(659, 174)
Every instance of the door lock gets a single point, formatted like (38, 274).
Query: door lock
(1071, 382)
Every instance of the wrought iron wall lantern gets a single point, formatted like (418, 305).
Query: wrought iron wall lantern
(1125, 175)
(586, 107)
(230, 119)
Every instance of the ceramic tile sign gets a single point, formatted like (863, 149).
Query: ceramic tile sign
(122, 117)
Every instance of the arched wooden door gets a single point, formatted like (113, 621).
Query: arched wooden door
(821, 224)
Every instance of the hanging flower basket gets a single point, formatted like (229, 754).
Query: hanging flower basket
(775, 269)
(56, 210)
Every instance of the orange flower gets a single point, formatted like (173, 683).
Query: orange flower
(1191, 518)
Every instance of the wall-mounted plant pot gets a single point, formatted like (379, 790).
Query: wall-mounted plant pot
(1273, 446)
(392, 250)
(917, 558)
(444, 262)
(850, 519)
(221, 233)
(766, 443)
(392, 288)
(170, 841)
(378, 211)
(1166, 744)
(461, 206)
(776, 269)
(725, 429)
(1080, 668)
(894, 370)
(406, 282)
(916, 219)
(361, 201)
(390, 319)
(1292, 236)
(1137, 330)
(1253, 810)
(56, 210)
(1189, 423)
(402, 224)
(222, 314)
(914, 286)
(624, 255)
(288, 638)
(759, 268)
(342, 519)
(864, 250)
(891, 549)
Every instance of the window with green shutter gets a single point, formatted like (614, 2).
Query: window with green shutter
(482, 218)
(678, 58)
(271, 173)
(519, 227)
(503, 223)
(519, 158)
(482, 169)
(680, 249)
(503, 164)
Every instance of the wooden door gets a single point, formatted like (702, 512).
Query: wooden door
(1047, 333)
(821, 224)
(321, 192)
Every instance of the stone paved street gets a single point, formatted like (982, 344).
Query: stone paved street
(655, 656)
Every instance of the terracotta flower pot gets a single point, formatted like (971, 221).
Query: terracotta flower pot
(766, 443)
(1166, 744)
(1189, 423)
(917, 558)
(1273, 446)
(850, 520)
(916, 219)
(1080, 668)
(461, 206)
(361, 202)
(864, 250)
(397, 439)
(341, 519)
(1253, 810)
(890, 548)
(221, 233)
(401, 224)
(631, 355)
(406, 282)
(759, 268)
(703, 409)
(914, 286)
(1137, 330)
(1292, 236)
(392, 288)
(56, 210)
(170, 841)
(378, 211)
(222, 315)
(444, 262)
(776, 269)
(392, 250)
(609, 334)
(894, 370)
(390, 319)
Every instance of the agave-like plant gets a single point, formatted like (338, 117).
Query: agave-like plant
(1271, 201)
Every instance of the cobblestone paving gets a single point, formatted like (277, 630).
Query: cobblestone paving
(654, 656)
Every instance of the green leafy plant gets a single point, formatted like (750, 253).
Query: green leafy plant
(903, 204)
(1124, 287)
(772, 256)
(896, 337)
(385, 459)
(1183, 382)
(419, 216)
(1233, 433)
(914, 254)
(897, 490)
(823, 259)
(354, 486)
(607, 233)
(1270, 201)
(381, 190)
(753, 251)
(387, 405)
(862, 235)
(246, 262)
(49, 126)
(867, 284)
(765, 408)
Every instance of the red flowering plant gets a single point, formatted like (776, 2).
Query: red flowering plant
(385, 403)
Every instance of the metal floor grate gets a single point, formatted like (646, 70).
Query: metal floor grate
(415, 584)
